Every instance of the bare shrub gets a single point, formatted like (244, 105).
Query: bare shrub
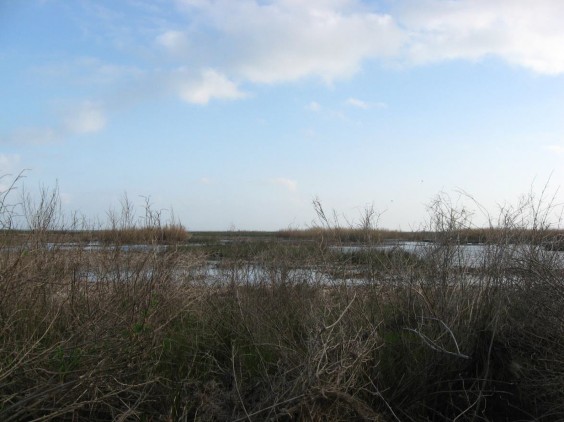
(104, 331)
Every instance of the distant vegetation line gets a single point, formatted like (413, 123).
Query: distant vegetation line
(178, 234)
(472, 235)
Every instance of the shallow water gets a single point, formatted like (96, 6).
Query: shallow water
(217, 272)
(97, 246)
(466, 255)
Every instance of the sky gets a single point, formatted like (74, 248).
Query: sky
(237, 114)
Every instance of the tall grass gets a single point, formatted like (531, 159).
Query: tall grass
(114, 333)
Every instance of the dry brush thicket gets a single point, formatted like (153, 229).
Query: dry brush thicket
(111, 333)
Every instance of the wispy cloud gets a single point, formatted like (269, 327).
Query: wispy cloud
(285, 40)
(290, 184)
(228, 44)
(87, 118)
(532, 37)
(355, 102)
(365, 105)
(209, 85)
(173, 40)
(314, 106)
(83, 118)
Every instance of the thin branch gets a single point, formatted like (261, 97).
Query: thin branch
(433, 345)
(342, 314)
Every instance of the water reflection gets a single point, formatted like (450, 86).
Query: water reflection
(465, 255)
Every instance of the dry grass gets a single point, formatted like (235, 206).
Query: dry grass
(116, 334)
(169, 234)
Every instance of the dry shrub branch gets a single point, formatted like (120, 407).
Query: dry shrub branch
(132, 330)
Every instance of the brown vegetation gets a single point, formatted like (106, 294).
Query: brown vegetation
(116, 334)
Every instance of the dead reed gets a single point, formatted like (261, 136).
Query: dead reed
(118, 334)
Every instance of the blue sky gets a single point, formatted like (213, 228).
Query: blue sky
(238, 113)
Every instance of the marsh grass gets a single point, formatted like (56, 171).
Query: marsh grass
(112, 334)
(167, 234)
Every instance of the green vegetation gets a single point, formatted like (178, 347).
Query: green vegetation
(117, 334)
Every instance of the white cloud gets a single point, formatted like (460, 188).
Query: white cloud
(285, 40)
(518, 31)
(171, 39)
(289, 184)
(87, 118)
(355, 102)
(228, 43)
(205, 181)
(209, 85)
